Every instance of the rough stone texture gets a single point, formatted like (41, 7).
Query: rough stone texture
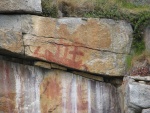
(147, 78)
(99, 34)
(55, 66)
(11, 34)
(43, 64)
(20, 6)
(92, 45)
(11, 41)
(97, 46)
(137, 96)
(90, 76)
(27, 89)
(146, 111)
(147, 38)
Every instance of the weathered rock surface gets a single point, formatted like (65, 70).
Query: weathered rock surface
(11, 41)
(20, 6)
(35, 90)
(93, 45)
(138, 78)
(137, 96)
(42, 64)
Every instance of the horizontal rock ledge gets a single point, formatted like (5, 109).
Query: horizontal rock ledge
(20, 6)
(94, 45)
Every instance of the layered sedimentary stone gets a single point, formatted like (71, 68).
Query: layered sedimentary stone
(37, 90)
(20, 6)
(93, 45)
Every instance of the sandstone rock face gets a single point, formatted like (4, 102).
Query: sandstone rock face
(93, 45)
(11, 34)
(27, 89)
(20, 6)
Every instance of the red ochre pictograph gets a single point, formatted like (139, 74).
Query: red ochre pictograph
(63, 55)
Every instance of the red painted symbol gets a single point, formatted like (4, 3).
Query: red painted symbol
(63, 55)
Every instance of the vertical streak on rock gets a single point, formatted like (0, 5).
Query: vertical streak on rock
(89, 96)
(31, 96)
(98, 99)
(74, 95)
(64, 95)
(6, 82)
(18, 86)
(37, 90)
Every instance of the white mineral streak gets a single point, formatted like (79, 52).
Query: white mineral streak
(37, 89)
(18, 86)
(98, 98)
(64, 93)
(29, 88)
(89, 96)
(74, 95)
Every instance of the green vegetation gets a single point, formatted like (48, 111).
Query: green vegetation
(129, 61)
(49, 8)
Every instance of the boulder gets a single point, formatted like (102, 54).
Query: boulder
(20, 6)
(139, 95)
(136, 95)
(93, 45)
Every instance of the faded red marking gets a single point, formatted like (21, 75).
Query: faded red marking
(6, 79)
(53, 89)
(82, 103)
(37, 50)
(49, 56)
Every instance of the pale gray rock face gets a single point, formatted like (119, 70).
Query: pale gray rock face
(20, 6)
(137, 95)
(146, 111)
